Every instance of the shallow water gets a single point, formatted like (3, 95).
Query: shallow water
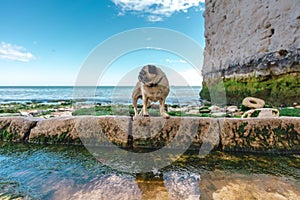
(70, 172)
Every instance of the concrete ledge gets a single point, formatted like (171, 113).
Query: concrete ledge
(269, 134)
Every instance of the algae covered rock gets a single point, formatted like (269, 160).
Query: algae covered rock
(268, 134)
(55, 131)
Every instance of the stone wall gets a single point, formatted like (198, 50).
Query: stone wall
(268, 134)
(253, 40)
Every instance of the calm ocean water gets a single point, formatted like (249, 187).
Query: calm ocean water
(181, 95)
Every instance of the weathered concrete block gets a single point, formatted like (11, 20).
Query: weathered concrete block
(268, 134)
(54, 131)
(16, 129)
(154, 132)
(204, 134)
(176, 132)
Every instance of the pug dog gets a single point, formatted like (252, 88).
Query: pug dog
(152, 86)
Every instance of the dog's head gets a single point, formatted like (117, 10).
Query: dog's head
(151, 76)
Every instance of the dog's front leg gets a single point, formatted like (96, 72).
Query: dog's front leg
(134, 104)
(162, 109)
(145, 103)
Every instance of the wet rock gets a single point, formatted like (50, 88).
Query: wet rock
(152, 186)
(182, 186)
(109, 187)
(221, 186)
(253, 103)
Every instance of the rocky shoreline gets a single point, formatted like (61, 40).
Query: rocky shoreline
(206, 109)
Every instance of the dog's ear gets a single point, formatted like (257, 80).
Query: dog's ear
(143, 76)
(152, 69)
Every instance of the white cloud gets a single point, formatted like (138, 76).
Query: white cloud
(156, 9)
(154, 18)
(192, 76)
(175, 61)
(14, 52)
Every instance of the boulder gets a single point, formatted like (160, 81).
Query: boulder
(232, 109)
(204, 111)
(261, 113)
(216, 109)
(219, 114)
(193, 112)
(253, 103)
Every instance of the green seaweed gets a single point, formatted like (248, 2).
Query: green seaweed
(275, 90)
(255, 113)
(8, 136)
(241, 129)
(294, 112)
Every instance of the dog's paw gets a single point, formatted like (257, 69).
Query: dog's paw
(166, 116)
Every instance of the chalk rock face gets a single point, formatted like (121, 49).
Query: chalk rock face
(238, 31)
(249, 48)
(253, 103)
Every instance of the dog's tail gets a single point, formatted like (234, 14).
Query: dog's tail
(151, 75)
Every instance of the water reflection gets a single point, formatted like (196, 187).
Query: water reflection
(70, 172)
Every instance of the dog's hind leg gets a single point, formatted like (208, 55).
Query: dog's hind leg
(148, 106)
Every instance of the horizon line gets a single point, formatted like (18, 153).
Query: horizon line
(89, 86)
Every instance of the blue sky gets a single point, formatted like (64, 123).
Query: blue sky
(45, 42)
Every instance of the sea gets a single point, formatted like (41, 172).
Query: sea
(179, 95)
